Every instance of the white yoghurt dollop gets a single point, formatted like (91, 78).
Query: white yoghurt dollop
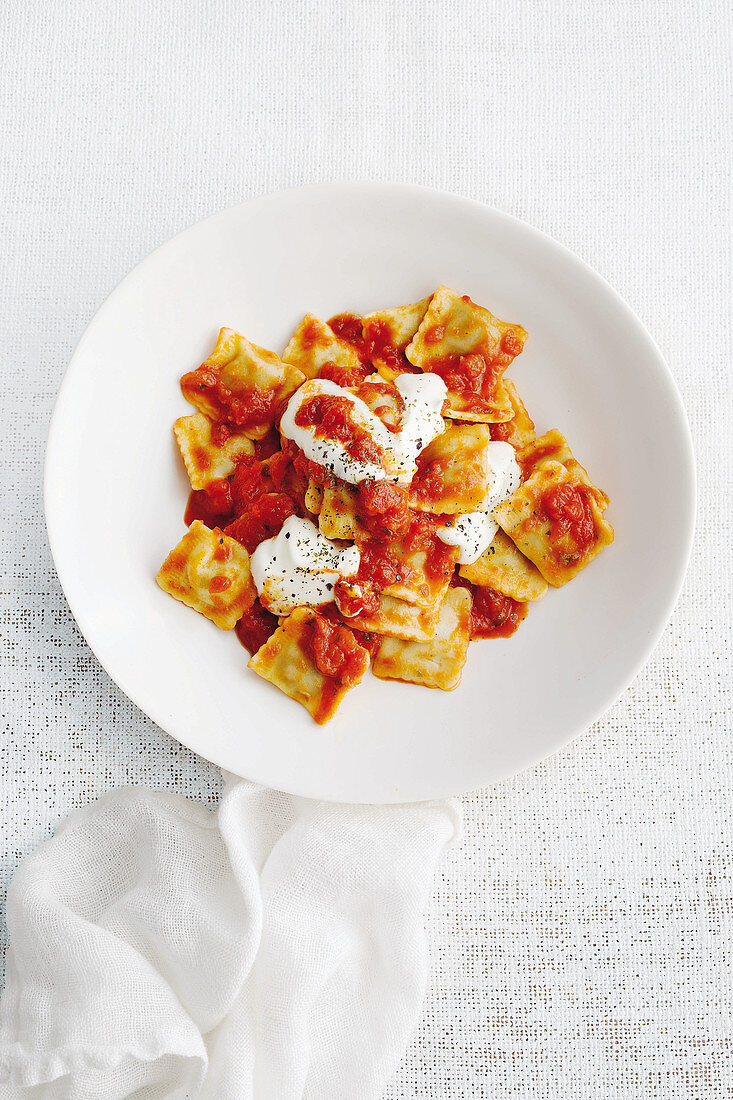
(299, 567)
(473, 531)
(422, 419)
(423, 396)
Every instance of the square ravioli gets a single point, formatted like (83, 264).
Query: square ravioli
(453, 472)
(387, 332)
(519, 431)
(503, 568)
(555, 520)
(241, 384)
(470, 349)
(400, 619)
(337, 518)
(415, 569)
(313, 497)
(554, 447)
(209, 572)
(209, 450)
(383, 399)
(436, 663)
(314, 344)
(313, 660)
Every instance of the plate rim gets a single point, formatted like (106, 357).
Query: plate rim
(688, 505)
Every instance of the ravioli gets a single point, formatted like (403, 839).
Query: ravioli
(470, 349)
(555, 520)
(437, 662)
(453, 472)
(554, 447)
(208, 460)
(400, 619)
(337, 518)
(388, 332)
(264, 465)
(506, 570)
(209, 572)
(241, 384)
(519, 431)
(314, 344)
(313, 661)
(417, 580)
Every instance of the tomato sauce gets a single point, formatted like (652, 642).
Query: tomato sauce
(474, 377)
(268, 445)
(335, 651)
(379, 341)
(332, 417)
(262, 520)
(429, 480)
(242, 410)
(440, 558)
(348, 327)
(493, 615)
(380, 564)
(568, 507)
(311, 335)
(368, 641)
(213, 505)
(250, 480)
(356, 597)
(503, 432)
(382, 508)
(345, 376)
(219, 434)
(255, 627)
(219, 583)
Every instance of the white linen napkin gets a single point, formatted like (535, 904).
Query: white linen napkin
(273, 950)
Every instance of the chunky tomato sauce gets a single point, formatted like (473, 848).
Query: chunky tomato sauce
(370, 642)
(382, 508)
(336, 652)
(268, 445)
(356, 597)
(379, 341)
(338, 657)
(255, 627)
(503, 432)
(262, 520)
(311, 335)
(213, 506)
(240, 410)
(568, 507)
(348, 327)
(429, 481)
(345, 376)
(332, 417)
(474, 377)
(493, 615)
(220, 433)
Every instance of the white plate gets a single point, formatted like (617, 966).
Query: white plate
(115, 488)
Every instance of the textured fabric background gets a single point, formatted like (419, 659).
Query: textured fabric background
(580, 935)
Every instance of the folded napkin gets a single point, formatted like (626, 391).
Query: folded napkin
(273, 950)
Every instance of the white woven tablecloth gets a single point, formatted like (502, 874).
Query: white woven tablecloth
(580, 935)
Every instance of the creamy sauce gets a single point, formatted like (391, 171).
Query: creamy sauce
(299, 567)
(423, 397)
(473, 531)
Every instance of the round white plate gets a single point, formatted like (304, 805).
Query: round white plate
(115, 488)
